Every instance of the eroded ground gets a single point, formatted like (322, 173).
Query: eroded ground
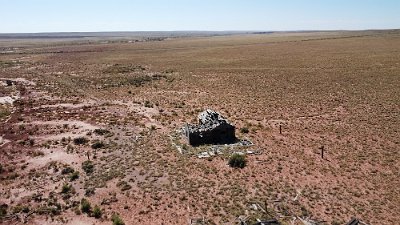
(118, 105)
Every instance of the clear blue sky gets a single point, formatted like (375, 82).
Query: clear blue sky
(19, 16)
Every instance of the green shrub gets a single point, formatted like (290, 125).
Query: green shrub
(244, 130)
(4, 112)
(20, 208)
(66, 188)
(237, 161)
(74, 176)
(85, 206)
(67, 170)
(97, 212)
(98, 144)
(3, 210)
(117, 220)
(88, 166)
(101, 131)
(80, 141)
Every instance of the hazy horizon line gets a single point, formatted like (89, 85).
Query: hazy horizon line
(198, 31)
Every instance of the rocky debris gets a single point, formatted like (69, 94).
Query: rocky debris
(267, 222)
(243, 219)
(213, 151)
(198, 221)
(8, 99)
(355, 221)
(244, 143)
(307, 221)
(108, 201)
(213, 128)
(20, 80)
(219, 150)
(8, 82)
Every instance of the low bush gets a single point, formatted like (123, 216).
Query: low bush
(237, 161)
(116, 219)
(98, 144)
(85, 206)
(67, 170)
(97, 212)
(66, 188)
(88, 167)
(80, 141)
(3, 210)
(74, 176)
(101, 131)
(244, 130)
(4, 112)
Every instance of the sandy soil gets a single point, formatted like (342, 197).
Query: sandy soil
(119, 106)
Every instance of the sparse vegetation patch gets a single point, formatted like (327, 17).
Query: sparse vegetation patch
(80, 141)
(117, 220)
(119, 68)
(237, 161)
(88, 167)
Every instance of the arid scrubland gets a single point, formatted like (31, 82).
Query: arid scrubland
(86, 134)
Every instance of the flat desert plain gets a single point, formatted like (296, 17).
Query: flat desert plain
(90, 130)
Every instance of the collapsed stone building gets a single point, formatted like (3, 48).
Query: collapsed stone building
(213, 128)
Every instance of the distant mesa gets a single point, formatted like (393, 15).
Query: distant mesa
(213, 128)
